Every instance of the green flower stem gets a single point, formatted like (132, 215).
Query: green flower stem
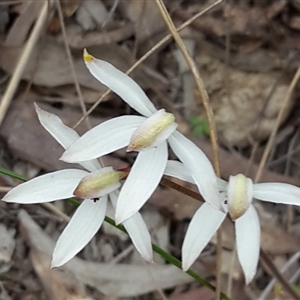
(167, 256)
(172, 260)
(12, 174)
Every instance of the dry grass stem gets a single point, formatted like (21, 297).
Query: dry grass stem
(56, 211)
(4, 189)
(69, 54)
(16, 77)
(209, 113)
(276, 127)
(198, 80)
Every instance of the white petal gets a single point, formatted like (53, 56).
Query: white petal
(80, 230)
(222, 185)
(63, 134)
(142, 180)
(178, 170)
(247, 230)
(199, 165)
(46, 188)
(203, 225)
(138, 232)
(103, 139)
(121, 84)
(277, 192)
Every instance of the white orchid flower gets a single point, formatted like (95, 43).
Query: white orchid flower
(148, 135)
(96, 187)
(237, 194)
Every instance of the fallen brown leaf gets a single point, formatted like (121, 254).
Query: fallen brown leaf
(111, 279)
(18, 33)
(196, 294)
(57, 284)
(146, 18)
(49, 66)
(26, 137)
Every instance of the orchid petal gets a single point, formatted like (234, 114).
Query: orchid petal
(105, 138)
(63, 134)
(202, 227)
(49, 187)
(199, 165)
(222, 185)
(137, 230)
(178, 170)
(247, 230)
(142, 180)
(277, 192)
(80, 230)
(121, 84)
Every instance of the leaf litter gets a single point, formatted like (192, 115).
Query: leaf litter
(246, 87)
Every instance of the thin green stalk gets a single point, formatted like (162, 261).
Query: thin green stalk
(12, 174)
(167, 256)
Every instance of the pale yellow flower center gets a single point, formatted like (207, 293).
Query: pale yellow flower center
(145, 137)
(239, 195)
(94, 183)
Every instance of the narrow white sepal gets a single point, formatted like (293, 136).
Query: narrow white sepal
(277, 192)
(222, 185)
(121, 84)
(49, 187)
(142, 180)
(137, 230)
(63, 134)
(105, 138)
(247, 230)
(199, 165)
(178, 170)
(202, 227)
(80, 230)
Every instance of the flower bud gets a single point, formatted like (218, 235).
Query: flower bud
(153, 131)
(239, 192)
(99, 183)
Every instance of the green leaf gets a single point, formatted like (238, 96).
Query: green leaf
(199, 126)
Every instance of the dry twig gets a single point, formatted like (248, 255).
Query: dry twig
(15, 79)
